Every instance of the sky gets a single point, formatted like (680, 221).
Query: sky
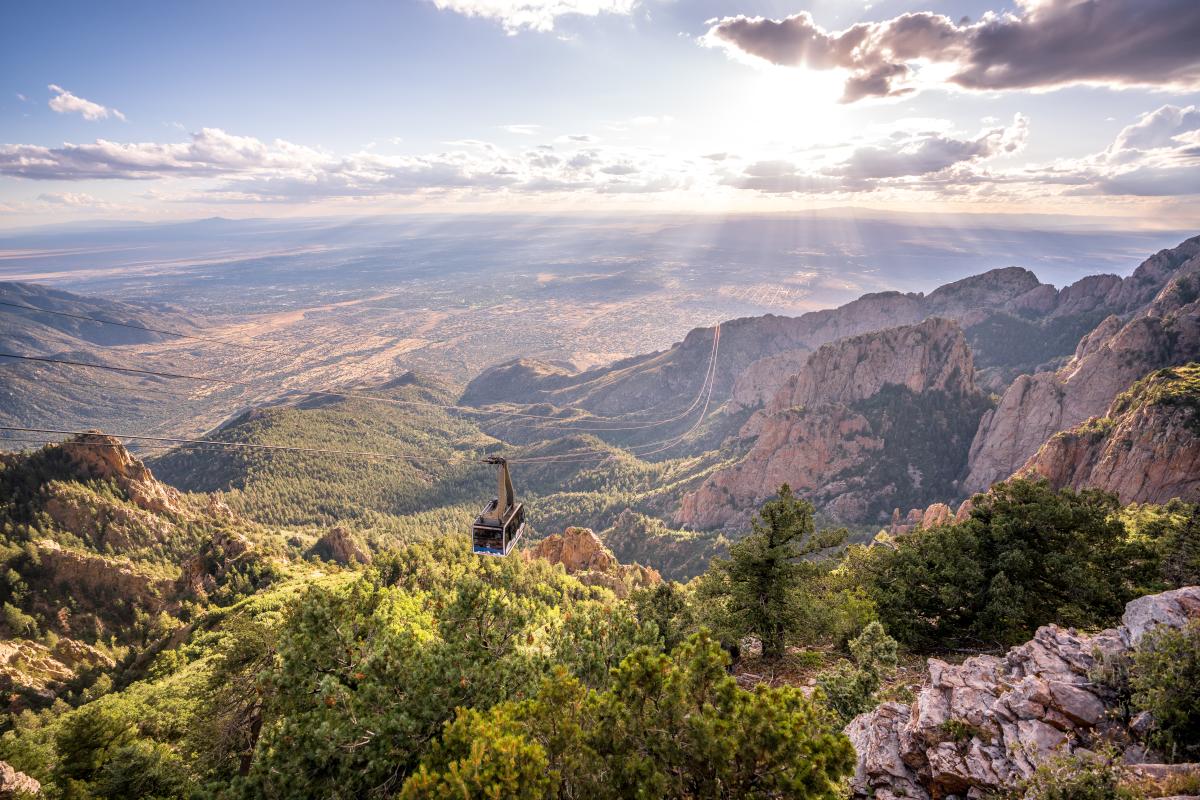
(163, 111)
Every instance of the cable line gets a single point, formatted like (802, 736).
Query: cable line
(583, 456)
(144, 328)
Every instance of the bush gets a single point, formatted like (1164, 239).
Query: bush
(18, 622)
(849, 689)
(675, 727)
(1027, 555)
(1165, 681)
(1094, 777)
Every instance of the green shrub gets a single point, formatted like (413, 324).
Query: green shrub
(849, 688)
(1027, 556)
(1081, 777)
(674, 726)
(1165, 680)
(18, 622)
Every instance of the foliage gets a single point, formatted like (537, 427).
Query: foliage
(1164, 679)
(1026, 556)
(1174, 531)
(1010, 341)
(1088, 776)
(926, 437)
(849, 688)
(672, 726)
(763, 588)
(666, 607)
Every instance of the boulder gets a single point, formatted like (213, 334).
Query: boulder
(340, 546)
(980, 726)
(16, 784)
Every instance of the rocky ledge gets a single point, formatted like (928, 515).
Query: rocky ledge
(986, 723)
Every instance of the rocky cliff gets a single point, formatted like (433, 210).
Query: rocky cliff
(980, 726)
(583, 555)
(103, 540)
(1013, 322)
(1145, 449)
(672, 377)
(842, 430)
(1165, 332)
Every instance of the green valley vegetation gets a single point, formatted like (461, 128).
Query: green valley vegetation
(202, 654)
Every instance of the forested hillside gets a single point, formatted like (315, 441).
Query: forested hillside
(246, 664)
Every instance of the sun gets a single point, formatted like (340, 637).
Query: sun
(784, 109)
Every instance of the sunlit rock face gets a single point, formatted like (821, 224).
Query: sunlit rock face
(583, 555)
(1145, 449)
(986, 723)
(1164, 331)
(16, 784)
(830, 429)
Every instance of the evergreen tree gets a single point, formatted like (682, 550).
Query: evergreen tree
(765, 587)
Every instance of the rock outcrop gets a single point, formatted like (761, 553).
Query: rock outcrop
(986, 723)
(583, 555)
(101, 579)
(1146, 449)
(16, 784)
(758, 353)
(1165, 332)
(97, 456)
(32, 668)
(223, 553)
(826, 432)
(341, 547)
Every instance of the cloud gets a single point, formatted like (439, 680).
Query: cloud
(1157, 128)
(900, 158)
(1045, 44)
(210, 152)
(522, 129)
(74, 199)
(66, 103)
(535, 15)
(247, 169)
(1156, 156)
(926, 153)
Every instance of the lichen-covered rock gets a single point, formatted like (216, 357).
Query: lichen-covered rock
(981, 725)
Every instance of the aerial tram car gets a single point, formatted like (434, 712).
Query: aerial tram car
(502, 522)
